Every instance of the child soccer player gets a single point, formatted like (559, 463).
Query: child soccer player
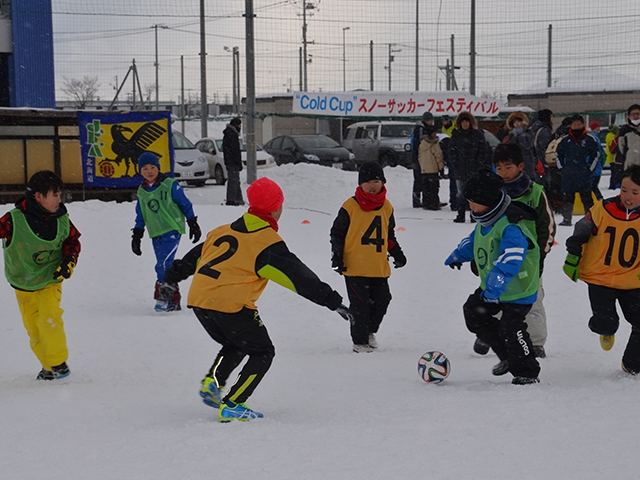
(41, 248)
(603, 253)
(362, 237)
(509, 164)
(508, 261)
(162, 206)
(431, 164)
(231, 269)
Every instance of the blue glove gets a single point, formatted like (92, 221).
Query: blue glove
(488, 298)
(494, 284)
(453, 262)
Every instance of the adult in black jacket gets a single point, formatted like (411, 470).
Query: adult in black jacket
(468, 152)
(542, 129)
(233, 161)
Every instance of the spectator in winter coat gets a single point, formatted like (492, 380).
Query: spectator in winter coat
(611, 148)
(416, 139)
(468, 152)
(542, 129)
(629, 138)
(233, 161)
(507, 257)
(521, 134)
(609, 266)
(577, 157)
(431, 164)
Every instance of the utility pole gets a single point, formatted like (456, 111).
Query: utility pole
(182, 91)
(453, 85)
(204, 114)
(344, 60)
(156, 64)
(549, 57)
(472, 52)
(250, 131)
(371, 65)
(417, 46)
(304, 43)
(391, 59)
(300, 68)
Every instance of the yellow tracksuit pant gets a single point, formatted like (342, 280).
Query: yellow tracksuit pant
(42, 317)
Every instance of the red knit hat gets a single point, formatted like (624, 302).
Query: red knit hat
(593, 125)
(265, 195)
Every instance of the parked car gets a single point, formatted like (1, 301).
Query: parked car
(212, 150)
(317, 149)
(190, 164)
(385, 142)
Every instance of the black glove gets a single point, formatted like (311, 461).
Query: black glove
(474, 268)
(177, 272)
(65, 270)
(343, 311)
(135, 240)
(399, 260)
(337, 265)
(194, 229)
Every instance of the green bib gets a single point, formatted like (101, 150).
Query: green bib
(486, 250)
(30, 261)
(531, 198)
(161, 214)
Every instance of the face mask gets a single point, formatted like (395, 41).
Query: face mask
(636, 122)
(577, 133)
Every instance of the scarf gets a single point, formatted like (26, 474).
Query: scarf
(264, 216)
(369, 201)
(491, 216)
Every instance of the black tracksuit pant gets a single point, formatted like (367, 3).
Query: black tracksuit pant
(605, 319)
(507, 336)
(369, 299)
(240, 334)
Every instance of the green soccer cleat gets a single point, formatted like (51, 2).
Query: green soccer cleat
(607, 341)
(230, 411)
(210, 392)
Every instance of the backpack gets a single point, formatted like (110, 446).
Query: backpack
(550, 152)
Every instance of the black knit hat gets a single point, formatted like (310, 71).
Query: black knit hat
(430, 130)
(484, 188)
(370, 171)
(545, 115)
(427, 116)
(508, 152)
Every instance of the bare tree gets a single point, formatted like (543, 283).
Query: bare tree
(82, 91)
(149, 90)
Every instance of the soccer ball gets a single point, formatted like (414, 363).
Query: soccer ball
(433, 367)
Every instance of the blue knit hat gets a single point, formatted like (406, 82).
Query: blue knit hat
(148, 158)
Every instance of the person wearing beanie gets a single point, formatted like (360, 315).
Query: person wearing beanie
(416, 140)
(542, 129)
(231, 269)
(578, 157)
(162, 207)
(362, 238)
(507, 258)
(233, 161)
(431, 164)
(509, 165)
(40, 223)
(611, 150)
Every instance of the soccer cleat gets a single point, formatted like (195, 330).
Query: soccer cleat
(480, 347)
(628, 370)
(373, 343)
(56, 373)
(230, 411)
(173, 307)
(210, 392)
(524, 380)
(538, 351)
(362, 348)
(161, 306)
(501, 368)
(607, 341)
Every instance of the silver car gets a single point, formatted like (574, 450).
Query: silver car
(190, 165)
(385, 142)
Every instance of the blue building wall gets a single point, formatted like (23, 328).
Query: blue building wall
(31, 72)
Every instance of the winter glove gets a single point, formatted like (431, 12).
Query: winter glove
(495, 285)
(474, 268)
(570, 267)
(453, 262)
(194, 229)
(135, 240)
(65, 270)
(399, 259)
(517, 130)
(486, 297)
(177, 272)
(337, 265)
(343, 311)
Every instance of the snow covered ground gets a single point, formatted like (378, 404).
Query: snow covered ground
(131, 410)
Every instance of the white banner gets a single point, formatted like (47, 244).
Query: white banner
(393, 104)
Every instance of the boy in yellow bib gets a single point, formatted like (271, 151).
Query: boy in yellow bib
(41, 248)
(362, 238)
(604, 252)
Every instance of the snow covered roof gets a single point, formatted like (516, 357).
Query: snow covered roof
(596, 79)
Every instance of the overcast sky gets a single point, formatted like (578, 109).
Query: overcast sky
(98, 38)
